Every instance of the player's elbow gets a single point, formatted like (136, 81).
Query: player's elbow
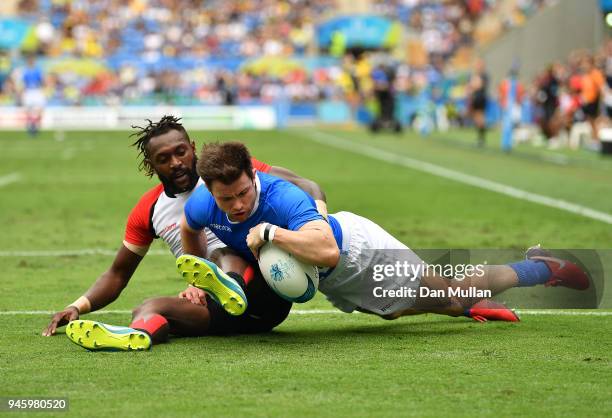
(331, 255)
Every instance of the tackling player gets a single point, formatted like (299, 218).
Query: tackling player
(168, 152)
(246, 208)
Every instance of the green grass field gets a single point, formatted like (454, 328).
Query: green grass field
(74, 195)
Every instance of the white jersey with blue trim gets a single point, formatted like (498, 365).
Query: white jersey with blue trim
(277, 202)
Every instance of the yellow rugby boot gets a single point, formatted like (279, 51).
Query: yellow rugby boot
(205, 275)
(94, 335)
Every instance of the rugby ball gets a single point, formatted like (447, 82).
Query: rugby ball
(290, 278)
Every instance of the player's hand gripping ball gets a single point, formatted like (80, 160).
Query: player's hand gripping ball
(290, 278)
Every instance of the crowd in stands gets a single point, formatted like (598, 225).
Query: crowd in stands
(106, 52)
(162, 50)
(191, 52)
(173, 28)
(574, 96)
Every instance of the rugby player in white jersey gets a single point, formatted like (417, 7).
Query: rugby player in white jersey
(245, 208)
(168, 152)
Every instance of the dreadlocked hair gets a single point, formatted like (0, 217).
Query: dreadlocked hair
(145, 133)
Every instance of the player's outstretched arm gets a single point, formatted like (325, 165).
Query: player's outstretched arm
(191, 239)
(104, 291)
(309, 186)
(313, 243)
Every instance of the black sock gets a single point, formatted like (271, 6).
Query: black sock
(238, 278)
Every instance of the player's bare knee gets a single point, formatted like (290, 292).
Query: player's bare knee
(142, 309)
(216, 255)
(137, 312)
(229, 260)
(219, 253)
(148, 307)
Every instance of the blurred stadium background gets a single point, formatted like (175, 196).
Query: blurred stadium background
(269, 64)
(305, 80)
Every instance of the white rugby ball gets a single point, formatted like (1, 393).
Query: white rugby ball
(290, 278)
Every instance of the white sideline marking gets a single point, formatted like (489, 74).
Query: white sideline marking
(535, 312)
(9, 178)
(436, 170)
(71, 253)
(316, 312)
(562, 312)
(52, 312)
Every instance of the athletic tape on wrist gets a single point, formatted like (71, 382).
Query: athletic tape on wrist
(82, 304)
(272, 232)
(321, 208)
(267, 231)
(262, 231)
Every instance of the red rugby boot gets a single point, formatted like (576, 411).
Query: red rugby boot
(564, 272)
(488, 310)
